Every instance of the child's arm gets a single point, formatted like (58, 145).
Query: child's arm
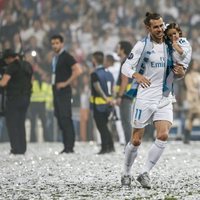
(185, 57)
(176, 46)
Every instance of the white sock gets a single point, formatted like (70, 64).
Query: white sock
(130, 155)
(154, 154)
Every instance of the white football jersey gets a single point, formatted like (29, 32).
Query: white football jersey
(185, 58)
(154, 70)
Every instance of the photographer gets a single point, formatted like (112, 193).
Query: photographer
(17, 82)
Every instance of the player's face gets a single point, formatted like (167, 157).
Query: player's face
(173, 34)
(56, 45)
(156, 29)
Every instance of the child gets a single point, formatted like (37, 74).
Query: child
(181, 54)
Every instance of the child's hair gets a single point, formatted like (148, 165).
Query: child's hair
(173, 26)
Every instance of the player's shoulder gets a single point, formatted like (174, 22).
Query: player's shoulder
(140, 43)
(143, 40)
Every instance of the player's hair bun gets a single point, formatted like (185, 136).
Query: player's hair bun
(148, 14)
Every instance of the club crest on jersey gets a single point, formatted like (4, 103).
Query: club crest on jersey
(182, 41)
(130, 56)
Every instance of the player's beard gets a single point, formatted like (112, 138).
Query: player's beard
(158, 37)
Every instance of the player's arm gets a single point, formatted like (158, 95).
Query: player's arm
(179, 71)
(129, 68)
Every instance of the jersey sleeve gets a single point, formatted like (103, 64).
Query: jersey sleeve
(130, 64)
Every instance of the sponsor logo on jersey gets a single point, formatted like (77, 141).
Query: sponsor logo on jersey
(157, 64)
(182, 41)
(130, 56)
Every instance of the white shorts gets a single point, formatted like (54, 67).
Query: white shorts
(145, 112)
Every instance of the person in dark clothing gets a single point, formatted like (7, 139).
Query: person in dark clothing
(2, 90)
(17, 80)
(124, 83)
(65, 69)
(101, 100)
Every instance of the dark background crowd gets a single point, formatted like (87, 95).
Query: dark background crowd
(87, 26)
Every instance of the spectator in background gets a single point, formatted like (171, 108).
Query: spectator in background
(84, 108)
(192, 82)
(37, 109)
(64, 70)
(101, 100)
(37, 106)
(123, 85)
(114, 69)
(17, 80)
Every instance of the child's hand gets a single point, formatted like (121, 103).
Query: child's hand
(174, 39)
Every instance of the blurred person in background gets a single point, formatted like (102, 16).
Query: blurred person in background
(17, 80)
(37, 106)
(114, 69)
(192, 83)
(84, 108)
(65, 69)
(101, 100)
(122, 86)
(50, 125)
(147, 65)
(3, 130)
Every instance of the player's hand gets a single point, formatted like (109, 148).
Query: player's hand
(178, 70)
(143, 81)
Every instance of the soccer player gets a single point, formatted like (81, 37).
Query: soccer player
(147, 65)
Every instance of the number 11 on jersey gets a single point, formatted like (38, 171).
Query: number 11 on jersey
(138, 113)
